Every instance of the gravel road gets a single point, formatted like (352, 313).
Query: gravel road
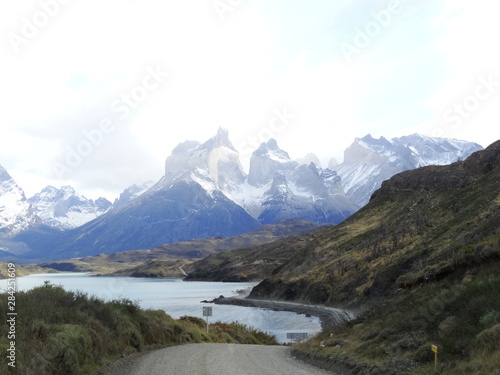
(216, 359)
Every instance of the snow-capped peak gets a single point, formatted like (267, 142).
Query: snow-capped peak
(64, 208)
(308, 159)
(131, 193)
(16, 214)
(215, 159)
(268, 160)
(369, 161)
(221, 139)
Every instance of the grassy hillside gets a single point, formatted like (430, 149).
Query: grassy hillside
(422, 259)
(60, 332)
(135, 261)
(252, 263)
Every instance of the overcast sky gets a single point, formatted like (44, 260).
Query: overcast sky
(96, 93)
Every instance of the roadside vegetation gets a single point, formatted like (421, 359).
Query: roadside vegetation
(460, 315)
(60, 332)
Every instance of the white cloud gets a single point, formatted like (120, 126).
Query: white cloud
(234, 73)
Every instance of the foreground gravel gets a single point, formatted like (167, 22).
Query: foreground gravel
(215, 359)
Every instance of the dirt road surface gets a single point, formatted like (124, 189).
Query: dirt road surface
(216, 359)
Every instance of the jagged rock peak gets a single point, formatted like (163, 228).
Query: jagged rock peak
(64, 208)
(214, 164)
(4, 175)
(16, 214)
(266, 161)
(332, 163)
(309, 158)
(221, 139)
(185, 148)
(272, 150)
(447, 177)
(131, 193)
(366, 149)
(369, 161)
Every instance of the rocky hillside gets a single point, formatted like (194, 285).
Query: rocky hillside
(421, 262)
(419, 226)
(252, 263)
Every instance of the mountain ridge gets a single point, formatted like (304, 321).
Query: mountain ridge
(204, 192)
(64, 208)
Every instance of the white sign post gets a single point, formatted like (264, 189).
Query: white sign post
(207, 311)
(297, 336)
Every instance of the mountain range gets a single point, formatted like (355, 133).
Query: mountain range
(205, 192)
(64, 208)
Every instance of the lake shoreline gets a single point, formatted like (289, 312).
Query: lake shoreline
(328, 316)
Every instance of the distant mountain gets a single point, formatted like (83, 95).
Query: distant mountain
(157, 262)
(278, 188)
(131, 193)
(64, 208)
(369, 161)
(185, 204)
(16, 213)
(205, 193)
(308, 159)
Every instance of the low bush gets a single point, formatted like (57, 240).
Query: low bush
(489, 339)
(71, 333)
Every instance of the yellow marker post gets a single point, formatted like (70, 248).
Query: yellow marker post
(434, 348)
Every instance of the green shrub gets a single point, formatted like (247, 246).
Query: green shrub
(194, 320)
(335, 341)
(490, 318)
(68, 348)
(369, 334)
(71, 333)
(489, 339)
